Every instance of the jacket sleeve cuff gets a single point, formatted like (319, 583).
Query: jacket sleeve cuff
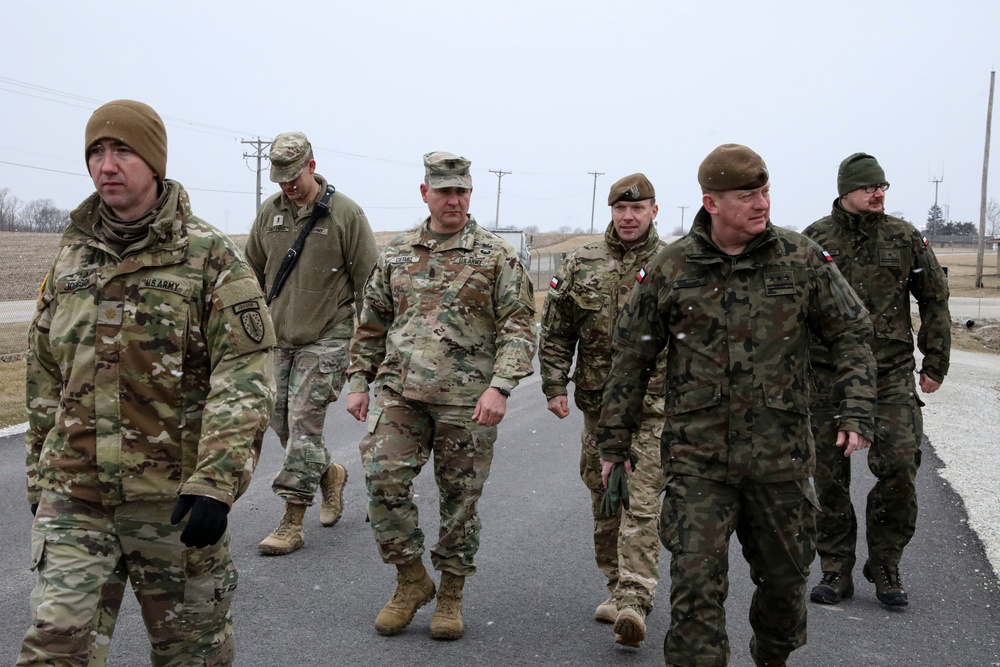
(506, 384)
(357, 384)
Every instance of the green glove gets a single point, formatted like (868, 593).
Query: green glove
(617, 491)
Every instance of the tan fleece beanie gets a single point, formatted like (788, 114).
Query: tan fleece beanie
(134, 124)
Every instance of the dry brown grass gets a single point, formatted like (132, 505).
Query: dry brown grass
(12, 409)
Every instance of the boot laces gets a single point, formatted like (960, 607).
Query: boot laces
(890, 576)
(831, 578)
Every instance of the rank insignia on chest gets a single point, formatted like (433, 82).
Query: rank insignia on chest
(641, 276)
(554, 283)
(827, 256)
(278, 221)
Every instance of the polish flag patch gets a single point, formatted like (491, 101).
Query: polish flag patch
(642, 275)
(554, 283)
(926, 242)
(827, 256)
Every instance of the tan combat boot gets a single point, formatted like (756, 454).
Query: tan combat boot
(331, 486)
(630, 627)
(446, 623)
(288, 536)
(414, 589)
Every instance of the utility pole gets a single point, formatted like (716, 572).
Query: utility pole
(593, 198)
(982, 197)
(259, 155)
(936, 181)
(500, 174)
(682, 218)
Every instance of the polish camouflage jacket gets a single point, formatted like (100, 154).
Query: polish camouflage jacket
(584, 300)
(445, 320)
(148, 376)
(324, 291)
(737, 331)
(885, 260)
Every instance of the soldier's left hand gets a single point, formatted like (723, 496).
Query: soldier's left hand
(490, 408)
(927, 385)
(207, 523)
(852, 442)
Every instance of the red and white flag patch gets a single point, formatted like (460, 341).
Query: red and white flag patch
(827, 256)
(926, 242)
(642, 275)
(554, 283)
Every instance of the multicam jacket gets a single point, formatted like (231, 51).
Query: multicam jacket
(737, 332)
(584, 300)
(326, 287)
(148, 375)
(885, 260)
(445, 320)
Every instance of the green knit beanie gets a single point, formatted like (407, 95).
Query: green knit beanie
(857, 171)
(134, 124)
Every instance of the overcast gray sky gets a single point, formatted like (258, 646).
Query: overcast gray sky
(548, 91)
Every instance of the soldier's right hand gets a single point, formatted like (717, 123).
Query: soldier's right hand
(559, 406)
(357, 405)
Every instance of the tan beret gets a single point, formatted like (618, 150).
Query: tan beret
(634, 187)
(732, 167)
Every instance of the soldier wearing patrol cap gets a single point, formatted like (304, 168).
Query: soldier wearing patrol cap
(149, 385)
(886, 260)
(313, 309)
(727, 303)
(583, 303)
(446, 333)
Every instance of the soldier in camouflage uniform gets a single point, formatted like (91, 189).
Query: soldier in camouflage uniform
(446, 333)
(313, 317)
(581, 308)
(734, 304)
(885, 260)
(149, 386)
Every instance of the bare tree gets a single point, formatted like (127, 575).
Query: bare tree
(42, 215)
(993, 218)
(9, 211)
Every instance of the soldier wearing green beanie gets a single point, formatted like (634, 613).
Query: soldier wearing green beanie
(886, 260)
(150, 384)
(733, 307)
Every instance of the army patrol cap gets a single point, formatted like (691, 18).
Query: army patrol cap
(732, 167)
(290, 151)
(634, 187)
(857, 171)
(446, 170)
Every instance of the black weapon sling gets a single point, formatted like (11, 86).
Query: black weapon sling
(320, 208)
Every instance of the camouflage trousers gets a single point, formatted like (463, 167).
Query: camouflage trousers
(82, 553)
(401, 436)
(891, 512)
(775, 524)
(627, 546)
(308, 378)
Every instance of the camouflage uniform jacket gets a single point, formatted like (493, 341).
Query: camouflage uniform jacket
(584, 300)
(150, 375)
(326, 286)
(445, 320)
(737, 332)
(885, 260)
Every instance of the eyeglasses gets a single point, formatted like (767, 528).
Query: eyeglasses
(870, 189)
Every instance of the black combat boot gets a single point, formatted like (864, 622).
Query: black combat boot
(834, 587)
(888, 586)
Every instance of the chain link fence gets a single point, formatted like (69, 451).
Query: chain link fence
(15, 317)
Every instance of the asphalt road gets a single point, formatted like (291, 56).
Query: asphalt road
(533, 599)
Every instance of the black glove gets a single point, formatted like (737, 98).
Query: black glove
(617, 492)
(34, 508)
(207, 523)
